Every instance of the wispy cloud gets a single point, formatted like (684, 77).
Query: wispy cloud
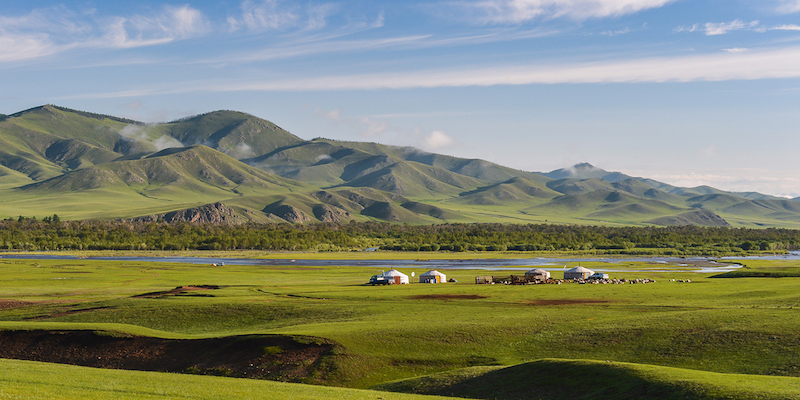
(788, 6)
(788, 27)
(24, 47)
(371, 128)
(722, 66)
(777, 183)
(333, 42)
(265, 15)
(721, 28)
(725, 27)
(49, 31)
(616, 32)
(517, 11)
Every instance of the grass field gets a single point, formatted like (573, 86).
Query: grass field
(730, 327)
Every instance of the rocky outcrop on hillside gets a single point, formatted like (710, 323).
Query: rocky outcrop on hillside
(290, 213)
(327, 213)
(216, 213)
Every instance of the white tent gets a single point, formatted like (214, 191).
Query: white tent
(433, 276)
(578, 273)
(399, 277)
(539, 272)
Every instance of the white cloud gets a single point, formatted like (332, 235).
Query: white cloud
(776, 183)
(264, 15)
(437, 140)
(788, 27)
(722, 28)
(166, 142)
(735, 50)
(721, 66)
(243, 150)
(788, 6)
(753, 64)
(369, 127)
(50, 31)
(322, 157)
(617, 32)
(25, 47)
(173, 23)
(142, 134)
(516, 11)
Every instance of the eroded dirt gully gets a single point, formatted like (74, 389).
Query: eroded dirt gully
(284, 358)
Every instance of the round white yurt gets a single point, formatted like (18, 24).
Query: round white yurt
(538, 274)
(433, 276)
(578, 273)
(399, 277)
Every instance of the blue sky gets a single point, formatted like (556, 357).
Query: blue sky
(689, 92)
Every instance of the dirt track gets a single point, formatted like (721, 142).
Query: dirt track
(257, 356)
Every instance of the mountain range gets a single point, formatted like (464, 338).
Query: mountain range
(232, 167)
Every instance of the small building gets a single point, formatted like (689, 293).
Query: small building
(537, 275)
(578, 273)
(398, 277)
(433, 276)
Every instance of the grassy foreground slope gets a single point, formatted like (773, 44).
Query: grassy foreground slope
(742, 326)
(554, 379)
(34, 380)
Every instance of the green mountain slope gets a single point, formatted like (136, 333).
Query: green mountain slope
(234, 133)
(237, 167)
(415, 180)
(169, 180)
(514, 190)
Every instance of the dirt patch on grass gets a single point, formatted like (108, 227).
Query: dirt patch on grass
(9, 304)
(448, 297)
(565, 302)
(178, 290)
(294, 359)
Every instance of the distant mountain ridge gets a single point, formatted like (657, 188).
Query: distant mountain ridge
(233, 167)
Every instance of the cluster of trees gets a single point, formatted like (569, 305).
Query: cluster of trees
(51, 233)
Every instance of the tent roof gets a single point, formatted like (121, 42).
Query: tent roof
(581, 269)
(433, 272)
(537, 271)
(394, 272)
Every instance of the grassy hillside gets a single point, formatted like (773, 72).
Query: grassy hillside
(32, 380)
(234, 133)
(554, 379)
(84, 165)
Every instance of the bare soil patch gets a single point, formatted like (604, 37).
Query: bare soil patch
(9, 304)
(565, 302)
(448, 297)
(254, 356)
(178, 290)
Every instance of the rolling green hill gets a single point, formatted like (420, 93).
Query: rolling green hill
(556, 379)
(85, 165)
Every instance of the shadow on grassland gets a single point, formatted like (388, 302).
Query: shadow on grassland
(553, 379)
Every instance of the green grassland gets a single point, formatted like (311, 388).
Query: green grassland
(32, 380)
(728, 327)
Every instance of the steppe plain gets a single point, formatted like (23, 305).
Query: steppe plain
(722, 335)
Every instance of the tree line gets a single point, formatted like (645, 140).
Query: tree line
(52, 233)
